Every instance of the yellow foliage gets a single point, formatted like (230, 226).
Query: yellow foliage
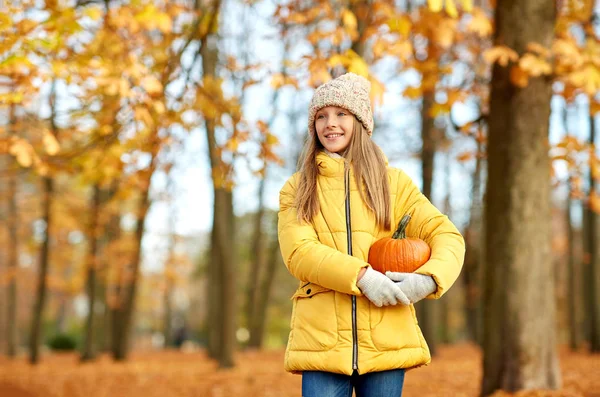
(413, 92)
(450, 5)
(50, 143)
(436, 5)
(451, 8)
(359, 66)
(351, 61)
(349, 19)
(480, 24)
(439, 109)
(567, 52)
(279, 80)
(400, 24)
(501, 54)
(534, 65)
(151, 85)
(93, 13)
(22, 151)
(538, 49)
(588, 78)
(402, 49)
(271, 139)
(444, 33)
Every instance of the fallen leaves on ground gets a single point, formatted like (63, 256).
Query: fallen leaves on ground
(454, 372)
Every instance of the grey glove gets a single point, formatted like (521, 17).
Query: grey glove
(415, 286)
(380, 290)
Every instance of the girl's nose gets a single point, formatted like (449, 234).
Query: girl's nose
(331, 121)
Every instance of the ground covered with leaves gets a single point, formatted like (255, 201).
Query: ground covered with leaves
(454, 372)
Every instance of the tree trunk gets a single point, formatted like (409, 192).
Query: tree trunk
(257, 252)
(222, 310)
(48, 190)
(426, 310)
(472, 273)
(13, 258)
(213, 327)
(574, 266)
(519, 336)
(112, 232)
(126, 309)
(38, 311)
(593, 237)
(92, 260)
(445, 304)
(170, 268)
(264, 292)
(168, 319)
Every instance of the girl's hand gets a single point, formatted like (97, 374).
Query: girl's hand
(381, 290)
(414, 286)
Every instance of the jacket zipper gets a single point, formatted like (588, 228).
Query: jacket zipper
(349, 234)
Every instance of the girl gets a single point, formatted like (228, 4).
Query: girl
(351, 326)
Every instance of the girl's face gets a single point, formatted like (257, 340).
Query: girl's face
(334, 127)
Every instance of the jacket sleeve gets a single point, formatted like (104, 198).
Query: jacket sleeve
(429, 224)
(306, 258)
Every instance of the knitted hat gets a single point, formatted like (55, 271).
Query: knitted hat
(349, 91)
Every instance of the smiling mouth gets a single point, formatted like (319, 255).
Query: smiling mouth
(333, 136)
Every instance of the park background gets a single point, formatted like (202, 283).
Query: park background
(143, 144)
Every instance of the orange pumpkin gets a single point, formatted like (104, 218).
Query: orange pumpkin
(399, 253)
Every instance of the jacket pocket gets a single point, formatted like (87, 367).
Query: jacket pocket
(314, 319)
(394, 327)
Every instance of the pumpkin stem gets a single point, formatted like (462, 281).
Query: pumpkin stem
(401, 231)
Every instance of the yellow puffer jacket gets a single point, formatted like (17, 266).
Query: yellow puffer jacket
(334, 327)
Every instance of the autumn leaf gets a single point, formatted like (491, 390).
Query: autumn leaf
(413, 92)
(538, 49)
(467, 5)
(271, 139)
(439, 109)
(567, 52)
(349, 19)
(401, 25)
(164, 23)
(480, 24)
(451, 8)
(587, 78)
(94, 13)
(232, 144)
(534, 65)
(435, 5)
(50, 143)
(501, 54)
(519, 77)
(22, 151)
(465, 156)
(402, 49)
(151, 85)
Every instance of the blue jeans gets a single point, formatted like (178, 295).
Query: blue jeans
(374, 384)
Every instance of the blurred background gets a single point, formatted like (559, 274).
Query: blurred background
(143, 145)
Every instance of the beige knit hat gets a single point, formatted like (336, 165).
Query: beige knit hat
(349, 91)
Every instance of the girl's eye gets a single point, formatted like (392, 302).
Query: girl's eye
(320, 116)
(341, 114)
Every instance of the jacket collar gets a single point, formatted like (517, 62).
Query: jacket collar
(334, 166)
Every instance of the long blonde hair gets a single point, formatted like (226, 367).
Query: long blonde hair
(369, 167)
